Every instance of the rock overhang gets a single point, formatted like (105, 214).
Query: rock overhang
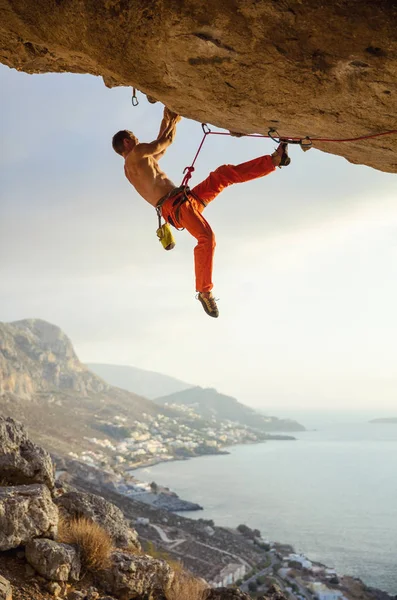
(313, 68)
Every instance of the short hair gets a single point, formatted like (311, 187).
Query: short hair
(119, 137)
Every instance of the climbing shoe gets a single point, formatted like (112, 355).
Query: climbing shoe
(209, 304)
(282, 150)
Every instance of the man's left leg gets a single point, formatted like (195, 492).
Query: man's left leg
(226, 175)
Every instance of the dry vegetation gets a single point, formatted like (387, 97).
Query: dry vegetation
(93, 541)
(95, 547)
(186, 586)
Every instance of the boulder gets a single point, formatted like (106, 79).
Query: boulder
(136, 575)
(26, 512)
(22, 461)
(5, 589)
(106, 514)
(54, 561)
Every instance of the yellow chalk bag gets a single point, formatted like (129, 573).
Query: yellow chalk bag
(165, 236)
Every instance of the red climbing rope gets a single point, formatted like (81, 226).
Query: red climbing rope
(305, 143)
(189, 170)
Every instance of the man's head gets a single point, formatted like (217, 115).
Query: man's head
(123, 142)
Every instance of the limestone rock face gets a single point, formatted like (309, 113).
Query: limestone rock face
(26, 512)
(37, 356)
(22, 461)
(323, 69)
(106, 514)
(54, 561)
(136, 576)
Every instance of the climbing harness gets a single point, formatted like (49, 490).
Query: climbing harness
(181, 195)
(305, 143)
(164, 232)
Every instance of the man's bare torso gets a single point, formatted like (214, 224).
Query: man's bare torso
(147, 177)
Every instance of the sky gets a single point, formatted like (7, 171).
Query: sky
(305, 266)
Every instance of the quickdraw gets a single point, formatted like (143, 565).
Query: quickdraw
(305, 143)
(134, 99)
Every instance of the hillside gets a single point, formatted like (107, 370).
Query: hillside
(208, 403)
(72, 411)
(140, 381)
(45, 386)
(57, 541)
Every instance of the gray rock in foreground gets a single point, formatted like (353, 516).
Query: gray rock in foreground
(22, 461)
(26, 512)
(54, 561)
(106, 514)
(136, 575)
(5, 589)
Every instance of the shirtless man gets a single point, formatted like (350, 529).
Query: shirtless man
(182, 207)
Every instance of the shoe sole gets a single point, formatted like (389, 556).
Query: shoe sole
(210, 314)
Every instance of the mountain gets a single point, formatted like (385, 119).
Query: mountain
(73, 412)
(44, 385)
(208, 403)
(385, 420)
(145, 383)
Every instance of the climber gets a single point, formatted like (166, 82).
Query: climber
(182, 207)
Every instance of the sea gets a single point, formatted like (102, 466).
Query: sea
(331, 494)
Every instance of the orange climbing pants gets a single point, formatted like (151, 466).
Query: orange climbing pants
(190, 215)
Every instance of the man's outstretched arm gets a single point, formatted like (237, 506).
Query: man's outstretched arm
(165, 138)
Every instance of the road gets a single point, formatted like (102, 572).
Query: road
(174, 543)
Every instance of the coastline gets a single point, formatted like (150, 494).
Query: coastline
(170, 500)
(158, 460)
(225, 507)
(286, 566)
(221, 452)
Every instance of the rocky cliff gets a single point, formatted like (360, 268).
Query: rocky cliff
(36, 356)
(317, 68)
(66, 543)
(43, 384)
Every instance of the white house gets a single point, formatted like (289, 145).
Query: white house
(322, 592)
(229, 574)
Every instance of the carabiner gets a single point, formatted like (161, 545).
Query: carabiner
(134, 99)
(273, 134)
